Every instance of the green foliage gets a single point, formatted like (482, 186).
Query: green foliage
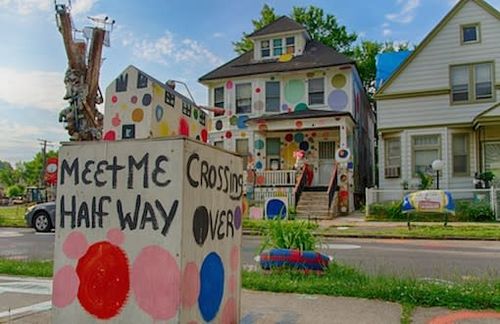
(26, 268)
(25, 173)
(341, 280)
(477, 211)
(388, 211)
(289, 235)
(487, 176)
(267, 16)
(14, 191)
(425, 181)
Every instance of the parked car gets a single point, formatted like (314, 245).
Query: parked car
(41, 217)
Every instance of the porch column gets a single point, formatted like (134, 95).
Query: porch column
(343, 135)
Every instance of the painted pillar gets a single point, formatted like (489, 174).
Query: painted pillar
(344, 159)
(147, 232)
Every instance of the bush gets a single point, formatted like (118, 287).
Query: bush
(14, 191)
(387, 211)
(479, 211)
(289, 235)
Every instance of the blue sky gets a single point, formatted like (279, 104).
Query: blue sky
(168, 39)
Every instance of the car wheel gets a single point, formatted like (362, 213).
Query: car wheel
(42, 223)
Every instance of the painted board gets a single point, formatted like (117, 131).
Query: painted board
(146, 233)
(276, 207)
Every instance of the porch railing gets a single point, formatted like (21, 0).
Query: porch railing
(332, 187)
(299, 187)
(278, 178)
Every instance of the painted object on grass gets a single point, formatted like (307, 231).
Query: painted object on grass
(433, 201)
(296, 259)
(276, 207)
(143, 235)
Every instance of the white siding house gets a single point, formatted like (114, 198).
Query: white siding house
(442, 102)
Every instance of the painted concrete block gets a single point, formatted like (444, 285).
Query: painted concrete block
(147, 231)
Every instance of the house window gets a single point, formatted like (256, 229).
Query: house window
(316, 91)
(277, 47)
(242, 149)
(219, 100)
(460, 151)
(272, 96)
(470, 34)
(265, 50)
(219, 144)
(392, 157)
(244, 98)
(273, 153)
(471, 83)
(426, 149)
(290, 45)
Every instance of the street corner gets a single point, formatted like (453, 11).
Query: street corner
(437, 315)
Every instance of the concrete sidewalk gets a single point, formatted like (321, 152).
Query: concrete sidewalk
(27, 300)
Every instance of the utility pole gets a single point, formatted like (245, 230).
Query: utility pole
(43, 143)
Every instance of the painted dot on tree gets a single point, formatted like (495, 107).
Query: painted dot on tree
(190, 285)
(299, 124)
(183, 127)
(115, 236)
(156, 281)
(75, 245)
(137, 115)
(114, 99)
(104, 280)
(212, 286)
(133, 99)
(110, 136)
(229, 313)
(146, 99)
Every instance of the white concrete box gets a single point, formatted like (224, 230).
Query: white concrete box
(147, 231)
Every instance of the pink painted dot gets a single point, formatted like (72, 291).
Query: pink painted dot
(235, 257)
(116, 121)
(110, 135)
(65, 286)
(299, 124)
(133, 99)
(114, 99)
(229, 84)
(229, 312)
(232, 284)
(156, 281)
(115, 236)
(75, 245)
(190, 285)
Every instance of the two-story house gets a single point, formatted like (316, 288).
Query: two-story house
(442, 102)
(293, 93)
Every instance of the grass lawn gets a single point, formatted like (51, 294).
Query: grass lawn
(26, 268)
(12, 216)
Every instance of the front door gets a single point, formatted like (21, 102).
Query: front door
(492, 160)
(326, 161)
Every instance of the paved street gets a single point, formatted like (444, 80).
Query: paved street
(421, 258)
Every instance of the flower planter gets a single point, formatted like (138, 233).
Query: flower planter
(296, 259)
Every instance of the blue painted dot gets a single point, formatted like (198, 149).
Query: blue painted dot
(242, 122)
(159, 113)
(299, 137)
(258, 165)
(259, 144)
(275, 208)
(304, 146)
(212, 286)
(146, 99)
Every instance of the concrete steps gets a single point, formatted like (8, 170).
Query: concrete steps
(313, 205)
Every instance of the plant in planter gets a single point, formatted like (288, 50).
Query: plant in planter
(291, 245)
(487, 177)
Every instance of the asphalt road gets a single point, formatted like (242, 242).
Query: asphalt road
(418, 258)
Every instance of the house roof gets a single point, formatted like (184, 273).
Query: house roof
(483, 117)
(315, 55)
(308, 113)
(483, 4)
(282, 24)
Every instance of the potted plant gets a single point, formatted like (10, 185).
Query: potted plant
(291, 244)
(487, 177)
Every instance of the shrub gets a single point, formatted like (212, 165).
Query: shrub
(387, 211)
(289, 235)
(14, 191)
(479, 212)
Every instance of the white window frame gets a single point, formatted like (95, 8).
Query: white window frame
(269, 48)
(284, 47)
(423, 147)
(279, 97)
(467, 155)
(236, 97)
(472, 96)
(324, 92)
(477, 27)
(223, 100)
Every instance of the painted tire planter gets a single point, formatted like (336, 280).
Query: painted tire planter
(303, 260)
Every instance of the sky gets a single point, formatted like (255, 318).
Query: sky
(168, 39)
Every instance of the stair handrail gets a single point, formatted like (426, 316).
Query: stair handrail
(299, 187)
(332, 186)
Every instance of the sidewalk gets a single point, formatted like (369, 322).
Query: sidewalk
(28, 300)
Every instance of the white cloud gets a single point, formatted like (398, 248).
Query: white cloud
(168, 48)
(217, 35)
(407, 12)
(387, 32)
(37, 89)
(26, 7)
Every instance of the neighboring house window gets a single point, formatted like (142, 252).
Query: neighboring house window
(219, 100)
(316, 91)
(290, 45)
(265, 51)
(470, 34)
(272, 96)
(242, 149)
(392, 157)
(273, 153)
(277, 47)
(243, 98)
(460, 151)
(219, 144)
(471, 83)
(426, 149)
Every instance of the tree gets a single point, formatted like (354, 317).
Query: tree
(32, 170)
(14, 191)
(322, 27)
(267, 16)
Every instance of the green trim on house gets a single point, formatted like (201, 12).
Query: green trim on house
(413, 94)
(487, 7)
(497, 86)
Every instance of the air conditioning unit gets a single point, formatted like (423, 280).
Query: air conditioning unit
(392, 172)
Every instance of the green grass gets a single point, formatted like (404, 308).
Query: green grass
(26, 268)
(438, 231)
(261, 226)
(407, 313)
(340, 280)
(12, 216)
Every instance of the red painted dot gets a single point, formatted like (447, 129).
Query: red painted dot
(183, 127)
(104, 280)
(110, 135)
(263, 127)
(114, 99)
(204, 135)
(289, 137)
(133, 99)
(261, 180)
(299, 124)
(229, 134)
(257, 90)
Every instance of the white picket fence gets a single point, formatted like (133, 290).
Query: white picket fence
(260, 194)
(492, 196)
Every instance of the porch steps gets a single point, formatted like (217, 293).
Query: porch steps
(313, 205)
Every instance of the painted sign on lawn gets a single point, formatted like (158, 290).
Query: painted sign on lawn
(437, 201)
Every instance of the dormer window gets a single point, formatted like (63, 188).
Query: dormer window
(265, 49)
(277, 47)
(290, 45)
(470, 34)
